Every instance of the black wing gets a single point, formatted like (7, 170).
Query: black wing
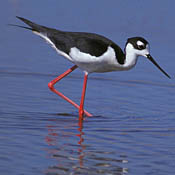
(91, 43)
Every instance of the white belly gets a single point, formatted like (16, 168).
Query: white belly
(104, 63)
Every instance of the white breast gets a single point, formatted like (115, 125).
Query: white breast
(104, 63)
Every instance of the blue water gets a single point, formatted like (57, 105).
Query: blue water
(132, 130)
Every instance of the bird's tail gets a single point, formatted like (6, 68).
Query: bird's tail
(34, 27)
(21, 26)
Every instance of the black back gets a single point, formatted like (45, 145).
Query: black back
(91, 43)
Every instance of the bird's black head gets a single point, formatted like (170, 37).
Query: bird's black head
(138, 46)
(138, 43)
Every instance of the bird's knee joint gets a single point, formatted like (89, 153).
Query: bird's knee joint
(50, 85)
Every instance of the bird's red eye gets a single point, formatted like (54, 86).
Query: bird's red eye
(140, 47)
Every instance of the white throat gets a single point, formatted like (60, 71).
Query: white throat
(131, 57)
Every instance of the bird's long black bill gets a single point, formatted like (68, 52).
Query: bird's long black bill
(154, 62)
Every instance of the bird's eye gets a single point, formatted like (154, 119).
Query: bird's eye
(140, 47)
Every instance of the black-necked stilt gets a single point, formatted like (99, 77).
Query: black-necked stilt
(91, 53)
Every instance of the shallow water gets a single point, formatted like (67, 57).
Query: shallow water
(134, 133)
(131, 132)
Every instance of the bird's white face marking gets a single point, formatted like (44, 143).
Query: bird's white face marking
(142, 52)
(133, 51)
(140, 43)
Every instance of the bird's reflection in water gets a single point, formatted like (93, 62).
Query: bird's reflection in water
(71, 155)
(65, 142)
(82, 147)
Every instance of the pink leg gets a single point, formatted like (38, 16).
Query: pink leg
(53, 82)
(81, 109)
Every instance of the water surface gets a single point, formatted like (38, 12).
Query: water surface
(132, 130)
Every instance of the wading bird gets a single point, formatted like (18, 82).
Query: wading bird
(91, 53)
